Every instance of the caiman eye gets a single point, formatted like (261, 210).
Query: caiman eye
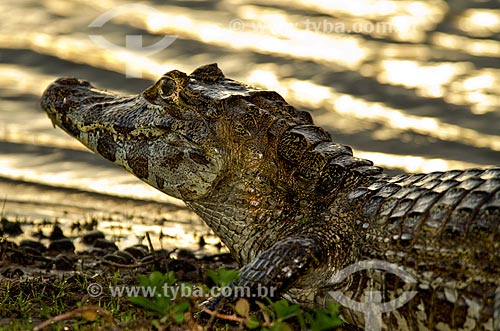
(167, 87)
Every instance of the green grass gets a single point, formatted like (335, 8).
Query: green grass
(25, 303)
(28, 302)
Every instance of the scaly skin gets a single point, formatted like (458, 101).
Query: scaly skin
(295, 208)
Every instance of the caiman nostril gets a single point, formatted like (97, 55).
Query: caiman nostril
(71, 81)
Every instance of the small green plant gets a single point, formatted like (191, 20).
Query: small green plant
(158, 300)
(276, 316)
(277, 312)
(324, 318)
(223, 277)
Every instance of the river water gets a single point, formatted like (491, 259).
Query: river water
(412, 85)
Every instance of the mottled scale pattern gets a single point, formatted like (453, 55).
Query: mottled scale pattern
(444, 227)
(314, 160)
(301, 138)
(456, 203)
(318, 165)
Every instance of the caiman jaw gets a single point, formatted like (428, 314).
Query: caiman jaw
(132, 132)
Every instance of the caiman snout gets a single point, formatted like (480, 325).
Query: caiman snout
(63, 96)
(61, 91)
(138, 133)
(75, 105)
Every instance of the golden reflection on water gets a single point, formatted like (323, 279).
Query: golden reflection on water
(481, 90)
(80, 49)
(404, 20)
(373, 9)
(412, 163)
(480, 22)
(250, 35)
(275, 31)
(22, 80)
(72, 174)
(477, 47)
(429, 79)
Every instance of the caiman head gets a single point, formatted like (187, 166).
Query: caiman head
(184, 135)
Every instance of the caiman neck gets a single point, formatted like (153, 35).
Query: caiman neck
(243, 203)
(286, 183)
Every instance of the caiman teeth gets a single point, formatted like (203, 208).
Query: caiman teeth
(53, 119)
(115, 137)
